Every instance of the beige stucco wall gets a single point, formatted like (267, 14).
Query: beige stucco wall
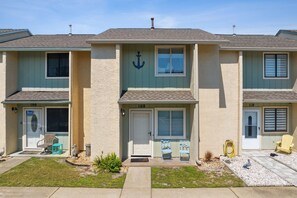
(2, 97)
(294, 125)
(81, 64)
(8, 85)
(105, 93)
(218, 98)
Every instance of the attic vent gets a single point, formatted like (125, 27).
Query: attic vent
(152, 20)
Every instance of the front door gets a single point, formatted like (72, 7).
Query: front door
(33, 120)
(251, 129)
(141, 133)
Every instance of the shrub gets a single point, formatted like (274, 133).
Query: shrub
(109, 162)
(207, 156)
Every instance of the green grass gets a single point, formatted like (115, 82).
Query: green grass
(52, 172)
(192, 177)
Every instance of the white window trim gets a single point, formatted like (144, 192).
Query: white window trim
(276, 78)
(52, 78)
(45, 119)
(288, 118)
(170, 74)
(170, 137)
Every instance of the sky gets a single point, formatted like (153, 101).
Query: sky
(95, 16)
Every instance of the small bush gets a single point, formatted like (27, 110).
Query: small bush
(109, 162)
(207, 156)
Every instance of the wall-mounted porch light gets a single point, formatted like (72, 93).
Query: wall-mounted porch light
(123, 112)
(14, 109)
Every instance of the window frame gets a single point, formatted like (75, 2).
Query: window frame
(170, 74)
(288, 66)
(171, 137)
(45, 119)
(56, 77)
(287, 121)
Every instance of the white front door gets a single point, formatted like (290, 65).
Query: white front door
(251, 129)
(141, 132)
(33, 119)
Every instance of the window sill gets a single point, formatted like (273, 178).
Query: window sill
(170, 138)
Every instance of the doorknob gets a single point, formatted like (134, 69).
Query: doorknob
(150, 133)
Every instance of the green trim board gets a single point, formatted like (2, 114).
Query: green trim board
(31, 72)
(156, 142)
(145, 77)
(253, 77)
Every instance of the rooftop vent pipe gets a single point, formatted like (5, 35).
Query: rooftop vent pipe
(70, 30)
(153, 27)
(234, 26)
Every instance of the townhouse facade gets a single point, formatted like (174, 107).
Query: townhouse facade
(126, 89)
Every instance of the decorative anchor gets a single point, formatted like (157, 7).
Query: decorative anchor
(138, 66)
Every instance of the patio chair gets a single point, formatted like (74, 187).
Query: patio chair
(285, 145)
(166, 149)
(46, 142)
(184, 149)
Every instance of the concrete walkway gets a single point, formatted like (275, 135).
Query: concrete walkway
(10, 163)
(55, 192)
(278, 168)
(137, 183)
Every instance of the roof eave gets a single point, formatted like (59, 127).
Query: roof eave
(259, 48)
(155, 41)
(268, 101)
(44, 49)
(36, 102)
(159, 102)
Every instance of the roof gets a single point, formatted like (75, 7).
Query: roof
(5, 31)
(158, 35)
(54, 42)
(258, 42)
(157, 97)
(38, 97)
(269, 96)
(286, 31)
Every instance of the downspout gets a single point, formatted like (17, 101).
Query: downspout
(240, 98)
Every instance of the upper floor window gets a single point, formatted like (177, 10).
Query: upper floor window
(57, 65)
(170, 61)
(276, 66)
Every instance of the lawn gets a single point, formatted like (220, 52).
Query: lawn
(192, 177)
(55, 172)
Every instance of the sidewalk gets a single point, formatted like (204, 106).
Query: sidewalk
(10, 163)
(244, 192)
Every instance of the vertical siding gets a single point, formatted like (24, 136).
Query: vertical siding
(145, 77)
(31, 72)
(253, 74)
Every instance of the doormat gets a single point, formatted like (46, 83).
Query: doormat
(29, 152)
(142, 159)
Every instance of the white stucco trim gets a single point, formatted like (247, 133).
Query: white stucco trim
(43, 89)
(267, 89)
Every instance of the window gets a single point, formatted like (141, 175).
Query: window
(57, 120)
(275, 119)
(57, 65)
(170, 123)
(276, 65)
(170, 61)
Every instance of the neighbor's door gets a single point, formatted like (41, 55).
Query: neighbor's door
(141, 132)
(251, 129)
(33, 126)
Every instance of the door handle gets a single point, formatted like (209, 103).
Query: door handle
(150, 133)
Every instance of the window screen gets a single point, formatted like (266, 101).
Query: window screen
(57, 119)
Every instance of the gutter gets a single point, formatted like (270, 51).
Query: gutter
(36, 102)
(159, 102)
(286, 49)
(269, 101)
(7, 49)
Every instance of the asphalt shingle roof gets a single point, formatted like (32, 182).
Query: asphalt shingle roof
(50, 41)
(3, 31)
(128, 35)
(269, 96)
(23, 96)
(154, 97)
(258, 41)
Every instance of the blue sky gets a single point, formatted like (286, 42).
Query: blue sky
(95, 16)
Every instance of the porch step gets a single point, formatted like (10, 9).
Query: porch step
(139, 159)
